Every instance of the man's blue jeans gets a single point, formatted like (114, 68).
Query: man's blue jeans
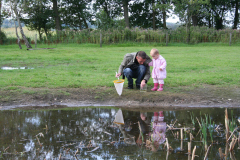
(138, 74)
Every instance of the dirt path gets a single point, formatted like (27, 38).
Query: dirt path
(172, 98)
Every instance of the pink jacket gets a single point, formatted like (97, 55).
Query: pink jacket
(159, 132)
(157, 64)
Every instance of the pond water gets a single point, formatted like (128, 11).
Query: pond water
(12, 68)
(90, 133)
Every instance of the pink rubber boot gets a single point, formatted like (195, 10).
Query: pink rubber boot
(155, 87)
(155, 117)
(161, 116)
(160, 88)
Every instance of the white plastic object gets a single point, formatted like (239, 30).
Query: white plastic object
(119, 118)
(119, 86)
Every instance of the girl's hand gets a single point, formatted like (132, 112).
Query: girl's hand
(160, 69)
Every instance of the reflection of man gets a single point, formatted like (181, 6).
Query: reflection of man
(130, 129)
(135, 65)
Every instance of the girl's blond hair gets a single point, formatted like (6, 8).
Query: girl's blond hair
(154, 51)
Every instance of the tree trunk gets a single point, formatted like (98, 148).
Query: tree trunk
(154, 20)
(236, 17)
(154, 16)
(46, 32)
(125, 8)
(85, 23)
(80, 26)
(18, 39)
(105, 8)
(40, 35)
(209, 19)
(219, 22)
(20, 26)
(164, 17)
(0, 14)
(195, 20)
(188, 22)
(56, 16)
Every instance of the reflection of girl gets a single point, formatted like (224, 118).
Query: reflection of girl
(158, 130)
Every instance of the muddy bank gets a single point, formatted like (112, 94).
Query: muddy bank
(174, 98)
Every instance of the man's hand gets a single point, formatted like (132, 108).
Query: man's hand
(118, 75)
(143, 83)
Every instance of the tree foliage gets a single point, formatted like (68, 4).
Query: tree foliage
(3, 37)
(144, 16)
(76, 14)
(44, 15)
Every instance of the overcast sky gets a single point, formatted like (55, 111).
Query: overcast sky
(173, 19)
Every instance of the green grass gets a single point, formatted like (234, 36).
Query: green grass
(89, 66)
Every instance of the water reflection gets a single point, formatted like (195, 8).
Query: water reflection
(13, 68)
(89, 133)
(141, 131)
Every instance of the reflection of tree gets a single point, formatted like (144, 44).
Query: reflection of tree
(64, 126)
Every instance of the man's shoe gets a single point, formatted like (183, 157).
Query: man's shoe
(130, 87)
(138, 86)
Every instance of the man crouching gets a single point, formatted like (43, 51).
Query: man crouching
(135, 65)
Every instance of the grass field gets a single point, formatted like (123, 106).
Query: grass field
(89, 66)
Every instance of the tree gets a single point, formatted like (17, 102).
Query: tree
(206, 15)
(39, 17)
(18, 39)
(219, 10)
(103, 21)
(117, 10)
(164, 7)
(112, 8)
(107, 11)
(14, 8)
(76, 14)
(188, 12)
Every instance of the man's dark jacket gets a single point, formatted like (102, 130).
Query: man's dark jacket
(129, 60)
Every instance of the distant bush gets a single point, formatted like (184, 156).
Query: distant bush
(3, 37)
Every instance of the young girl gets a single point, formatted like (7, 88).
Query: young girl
(159, 72)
